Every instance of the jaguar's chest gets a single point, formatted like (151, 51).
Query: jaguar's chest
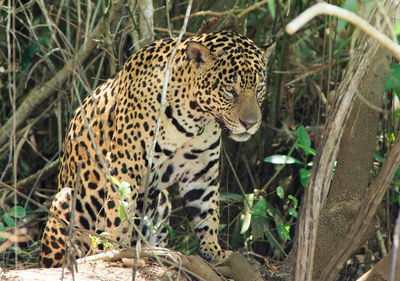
(176, 156)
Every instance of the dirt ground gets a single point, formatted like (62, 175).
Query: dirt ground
(95, 270)
(91, 270)
(175, 267)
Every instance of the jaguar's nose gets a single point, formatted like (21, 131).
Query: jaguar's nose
(248, 124)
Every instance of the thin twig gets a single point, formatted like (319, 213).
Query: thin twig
(11, 50)
(252, 7)
(240, 12)
(324, 8)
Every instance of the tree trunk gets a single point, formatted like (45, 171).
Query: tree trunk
(320, 178)
(146, 21)
(349, 185)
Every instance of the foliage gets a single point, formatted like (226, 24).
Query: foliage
(259, 211)
(8, 219)
(101, 240)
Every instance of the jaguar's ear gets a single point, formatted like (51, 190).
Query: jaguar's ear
(268, 50)
(199, 56)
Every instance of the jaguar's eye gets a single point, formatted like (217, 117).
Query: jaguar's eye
(230, 91)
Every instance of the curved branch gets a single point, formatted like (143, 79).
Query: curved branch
(328, 9)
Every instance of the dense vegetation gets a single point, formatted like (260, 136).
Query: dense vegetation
(53, 54)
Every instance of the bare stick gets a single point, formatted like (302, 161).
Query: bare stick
(328, 9)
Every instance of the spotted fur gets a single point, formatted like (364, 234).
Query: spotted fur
(217, 82)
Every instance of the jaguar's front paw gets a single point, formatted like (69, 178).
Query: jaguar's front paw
(214, 253)
(223, 257)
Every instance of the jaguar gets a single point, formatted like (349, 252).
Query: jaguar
(217, 84)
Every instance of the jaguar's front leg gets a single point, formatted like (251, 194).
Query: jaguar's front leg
(199, 190)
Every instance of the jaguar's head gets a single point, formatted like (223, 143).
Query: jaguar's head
(229, 80)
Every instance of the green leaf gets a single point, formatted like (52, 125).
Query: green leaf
(280, 192)
(260, 207)
(304, 141)
(283, 232)
(9, 220)
(45, 38)
(304, 176)
(397, 29)
(230, 196)
(17, 212)
(121, 213)
(171, 232)
(293, 212)
(2, 229)
(379, 158)
(294, 199)
(350, 5)
(271, 8)
(278, 159)
(393, 78)
(303, 137)
(113, 180)
(307, 150)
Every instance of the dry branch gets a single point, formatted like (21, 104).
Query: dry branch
(324, 8)
(198, 266)
(39, 94)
